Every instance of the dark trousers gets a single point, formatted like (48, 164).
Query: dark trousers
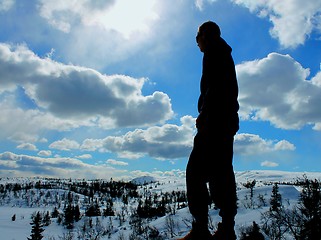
(210, 164)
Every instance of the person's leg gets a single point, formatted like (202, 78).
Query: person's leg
(222, 182)
(197, 192)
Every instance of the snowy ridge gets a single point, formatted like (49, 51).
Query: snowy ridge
(274, 176)
(179, 216)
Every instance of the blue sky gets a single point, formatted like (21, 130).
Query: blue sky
(101, 89)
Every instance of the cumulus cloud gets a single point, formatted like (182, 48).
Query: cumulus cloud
(269, 164)
(293, 20)
(44, 153)
(164, 142)
(169, 141)
(65, 145)
(75, 93)
(277, 89)
(27, 146)
(251, 144)
(116, 162)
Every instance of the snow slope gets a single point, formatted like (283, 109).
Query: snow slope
(20, 228)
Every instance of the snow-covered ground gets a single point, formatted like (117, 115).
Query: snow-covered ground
(21, 229)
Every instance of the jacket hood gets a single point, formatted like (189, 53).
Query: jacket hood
(219, 45)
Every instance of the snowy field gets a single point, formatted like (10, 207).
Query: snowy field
(20, 229)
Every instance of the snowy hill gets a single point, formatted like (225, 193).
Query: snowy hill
(22, 197)
(143, 180)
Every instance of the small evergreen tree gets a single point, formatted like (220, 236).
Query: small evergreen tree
(69, 217)
(251, 185)
(109, 211)
(76, 212)
(93, 210)
(37, 227)
(252, 233)
(276, 199)
(46, 219)
(310, 209)
(55, 213)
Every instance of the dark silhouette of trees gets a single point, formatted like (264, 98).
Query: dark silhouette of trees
(46, 220)
(69, 217)
(93, 210)
(252, 233)
(310, 210)
(303, 221)
(109, 211)
(55, 213)
(251, 185)
(276, 199)
(37, 227)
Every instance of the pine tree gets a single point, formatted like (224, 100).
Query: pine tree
(69, 217)
(37, 228)
(109, 211)
(76, 212)
(251, 185)
(276, 199)
(93, 210)
(46, 219)
(252, 233)
(310, 209)
(55, 213)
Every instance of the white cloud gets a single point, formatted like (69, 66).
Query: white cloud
(6, 5)
(165, 142)
(200, 3)
(117, 163)
(251, 144)
(169, 141)
(91, 144)
(27, 146)
(269, 164)
(34, 121)
(65, 144)
(18, 135)
(284, 145)
(85, 156)
(293, 20)
(102, 33)
(44, 153)
(276, 89)
(12, 165)
(77, 95)
(63, 15)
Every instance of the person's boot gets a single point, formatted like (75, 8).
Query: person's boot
(224, 232)
(198, 232)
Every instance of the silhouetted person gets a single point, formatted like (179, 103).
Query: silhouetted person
(217, 123)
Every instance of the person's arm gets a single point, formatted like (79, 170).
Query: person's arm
(210, 76)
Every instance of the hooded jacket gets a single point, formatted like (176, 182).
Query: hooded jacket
(217, 104)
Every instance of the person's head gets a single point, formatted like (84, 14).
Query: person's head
(207, 32)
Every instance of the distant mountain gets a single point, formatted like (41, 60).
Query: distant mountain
(143, 180)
